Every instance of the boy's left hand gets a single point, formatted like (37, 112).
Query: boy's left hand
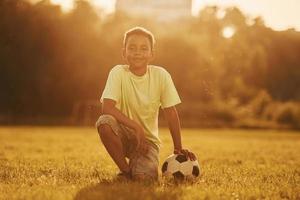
(187, 153)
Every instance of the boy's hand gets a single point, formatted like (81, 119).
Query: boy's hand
(187, 153)
(142, 145)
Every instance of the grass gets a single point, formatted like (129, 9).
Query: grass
(70, 163)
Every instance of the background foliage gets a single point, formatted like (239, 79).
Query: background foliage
(53, 65)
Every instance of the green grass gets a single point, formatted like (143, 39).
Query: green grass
(67, 163)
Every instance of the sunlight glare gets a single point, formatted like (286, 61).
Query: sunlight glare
(106, 5)
(221, 13)
(66, 5)
(228, 32)
(196, 5)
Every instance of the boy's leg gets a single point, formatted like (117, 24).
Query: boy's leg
(112, 141)
(145, 167)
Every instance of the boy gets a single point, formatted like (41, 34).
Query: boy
(128, 126)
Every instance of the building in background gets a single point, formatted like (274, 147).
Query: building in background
(161, 10)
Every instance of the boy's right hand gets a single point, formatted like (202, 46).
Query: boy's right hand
(142, 145)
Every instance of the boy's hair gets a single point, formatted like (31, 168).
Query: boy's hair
(139, 31)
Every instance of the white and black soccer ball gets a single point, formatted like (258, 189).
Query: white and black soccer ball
(180, 167)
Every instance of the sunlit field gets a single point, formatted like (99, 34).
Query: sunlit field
(70, 163)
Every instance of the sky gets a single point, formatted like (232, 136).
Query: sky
(277, 14)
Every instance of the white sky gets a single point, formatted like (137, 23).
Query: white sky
(277, 14)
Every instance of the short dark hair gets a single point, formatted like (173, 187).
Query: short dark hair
(139, 31)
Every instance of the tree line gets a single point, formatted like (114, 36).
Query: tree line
(51, 60)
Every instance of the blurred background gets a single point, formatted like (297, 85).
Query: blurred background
(234, 63)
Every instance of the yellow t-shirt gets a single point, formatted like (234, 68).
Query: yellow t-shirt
(139, 97)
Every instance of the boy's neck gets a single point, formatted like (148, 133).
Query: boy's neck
(140, 71)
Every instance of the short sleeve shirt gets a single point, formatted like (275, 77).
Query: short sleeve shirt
(139, 97)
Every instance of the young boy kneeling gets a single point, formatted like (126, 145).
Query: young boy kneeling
(131, 99)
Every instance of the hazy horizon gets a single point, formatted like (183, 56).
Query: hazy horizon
(276, 15)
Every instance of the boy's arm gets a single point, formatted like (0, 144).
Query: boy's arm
(108, 107)
(171, 116)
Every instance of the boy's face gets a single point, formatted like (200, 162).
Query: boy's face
(137, 51)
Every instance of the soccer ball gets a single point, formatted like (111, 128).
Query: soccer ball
(180, 167)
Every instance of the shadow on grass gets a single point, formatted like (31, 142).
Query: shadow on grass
(114, 190)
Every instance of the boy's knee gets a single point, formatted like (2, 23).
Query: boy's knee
(105, 123)
(105, 119)
(104, 130)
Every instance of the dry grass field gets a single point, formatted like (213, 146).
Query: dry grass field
(70, 163)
